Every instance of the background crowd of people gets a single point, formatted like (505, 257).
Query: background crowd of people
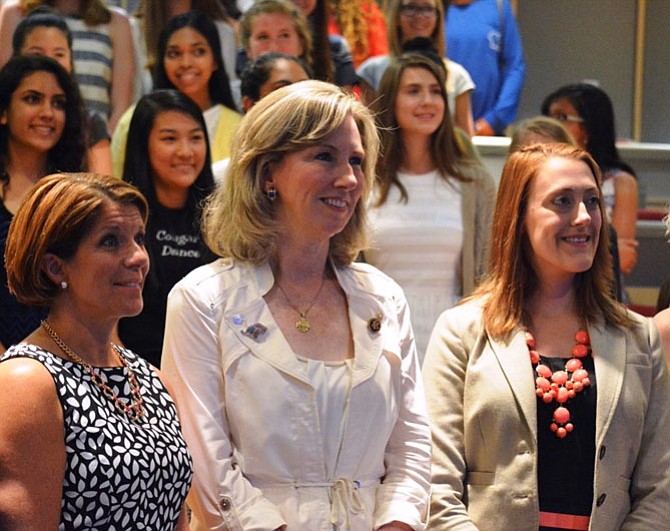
(239, 236)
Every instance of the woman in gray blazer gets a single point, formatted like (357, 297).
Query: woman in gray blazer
(550, 402)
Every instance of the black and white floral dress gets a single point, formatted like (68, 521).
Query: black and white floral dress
(120, 474)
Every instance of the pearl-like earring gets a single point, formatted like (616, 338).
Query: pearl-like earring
(63, 284)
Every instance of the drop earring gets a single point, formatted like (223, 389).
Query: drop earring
(271, 193)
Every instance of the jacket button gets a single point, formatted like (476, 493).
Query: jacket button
(601, 500)
(225, 503)
(603, 451)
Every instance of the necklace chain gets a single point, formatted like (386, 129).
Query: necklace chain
(302, 325)
(135, 409)
(562, 385)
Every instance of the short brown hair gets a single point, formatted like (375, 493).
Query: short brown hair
(240, 222)
(511, 279)
(57, 214)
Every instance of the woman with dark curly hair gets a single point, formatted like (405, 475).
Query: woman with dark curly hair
(40, 133)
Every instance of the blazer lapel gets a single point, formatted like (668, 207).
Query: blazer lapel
(362, 307)
(609, 357)
(515, 364)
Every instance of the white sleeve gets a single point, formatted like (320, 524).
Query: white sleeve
(221, 497)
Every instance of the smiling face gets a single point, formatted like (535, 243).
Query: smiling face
(50, 42)
(177, 150)
(273, 32)
(106, 274)
(319, 187)
(417, 19)
(419, 105)
(36, 113)
(563, 219)
(565, 112)
(189, 64)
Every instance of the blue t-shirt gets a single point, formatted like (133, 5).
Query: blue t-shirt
(486, 41)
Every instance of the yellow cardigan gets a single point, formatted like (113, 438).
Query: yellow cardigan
(219, 145)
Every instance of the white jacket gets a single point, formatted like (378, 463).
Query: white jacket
(250, 416)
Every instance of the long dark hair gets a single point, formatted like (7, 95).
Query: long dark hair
(447, 153)
(137, 167)
(219, 85)
(322, 61)
(68, 155)
(595, 107)
(40, 17)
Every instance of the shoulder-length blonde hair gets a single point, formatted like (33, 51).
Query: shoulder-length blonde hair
(512, 279)
(93, 12)
(393, 33)
(446, 152)
(239, 221)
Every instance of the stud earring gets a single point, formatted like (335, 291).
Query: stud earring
(63, 284)
(271, 193)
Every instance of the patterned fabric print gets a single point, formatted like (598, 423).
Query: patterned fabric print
(120, 474)
(93, 54)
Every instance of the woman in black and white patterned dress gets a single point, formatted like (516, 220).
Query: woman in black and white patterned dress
(90, 437)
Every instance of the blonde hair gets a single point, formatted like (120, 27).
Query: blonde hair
(93, 12)
(539, 125)
(512, 279)
(56, 215)
(393, 28)
(239, 221)
(280, 7)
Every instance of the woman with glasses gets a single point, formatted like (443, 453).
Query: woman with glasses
(408, 20)
(586, 111)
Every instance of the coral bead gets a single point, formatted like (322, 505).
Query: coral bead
(569, 427)
(530, 340)
(539, 392)
(582, 336)
(559, 377)
(561, 415)
(547, 398)
(573, 364)
(586, 382)
(542, 383)
(579, 375)
(580, 351)
(534, 357)
(578, 387)
(561, 433)
(562, 395)
(543, 371)
(553, 426)
(571, 393)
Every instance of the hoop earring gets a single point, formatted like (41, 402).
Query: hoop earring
(271, 193)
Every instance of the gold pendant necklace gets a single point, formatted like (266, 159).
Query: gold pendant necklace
(302, 325)
(135, 409)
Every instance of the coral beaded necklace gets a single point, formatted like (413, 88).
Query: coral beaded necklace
(562, 385)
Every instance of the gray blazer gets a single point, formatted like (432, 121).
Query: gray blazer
(482, 406)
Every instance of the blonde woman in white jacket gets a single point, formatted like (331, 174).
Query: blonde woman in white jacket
(294, 368)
